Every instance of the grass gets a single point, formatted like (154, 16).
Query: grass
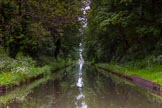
(15, 77)
(21, 92)
(142, 69)
(14, 71)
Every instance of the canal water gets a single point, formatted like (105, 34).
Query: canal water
(81, 86)
(97, 91)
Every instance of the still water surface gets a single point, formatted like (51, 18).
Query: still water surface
(97, 91)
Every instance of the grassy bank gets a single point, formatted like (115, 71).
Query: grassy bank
(143, 68)
(16, 71)
(21, 92)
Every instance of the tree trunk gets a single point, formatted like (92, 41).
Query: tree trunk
(20, 7)
(124, 40)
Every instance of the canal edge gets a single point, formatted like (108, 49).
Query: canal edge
(146, 84)
(7, 88)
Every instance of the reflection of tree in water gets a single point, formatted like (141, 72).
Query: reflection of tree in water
(108, 91)
(99, 91)
(122, 95)
(57, 88)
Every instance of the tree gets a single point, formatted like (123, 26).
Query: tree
(123, 29)
(35, 26)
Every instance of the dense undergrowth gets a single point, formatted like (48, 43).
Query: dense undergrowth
(14, 71)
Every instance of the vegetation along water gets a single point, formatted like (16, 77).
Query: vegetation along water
(80, 53)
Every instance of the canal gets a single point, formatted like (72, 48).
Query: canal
(97, 91)
(79, 86)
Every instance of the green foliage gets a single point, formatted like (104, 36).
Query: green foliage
(33, 27)
(148, 31)
(16, 65)
(15, 71)
(30, 29)
(123, 30)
